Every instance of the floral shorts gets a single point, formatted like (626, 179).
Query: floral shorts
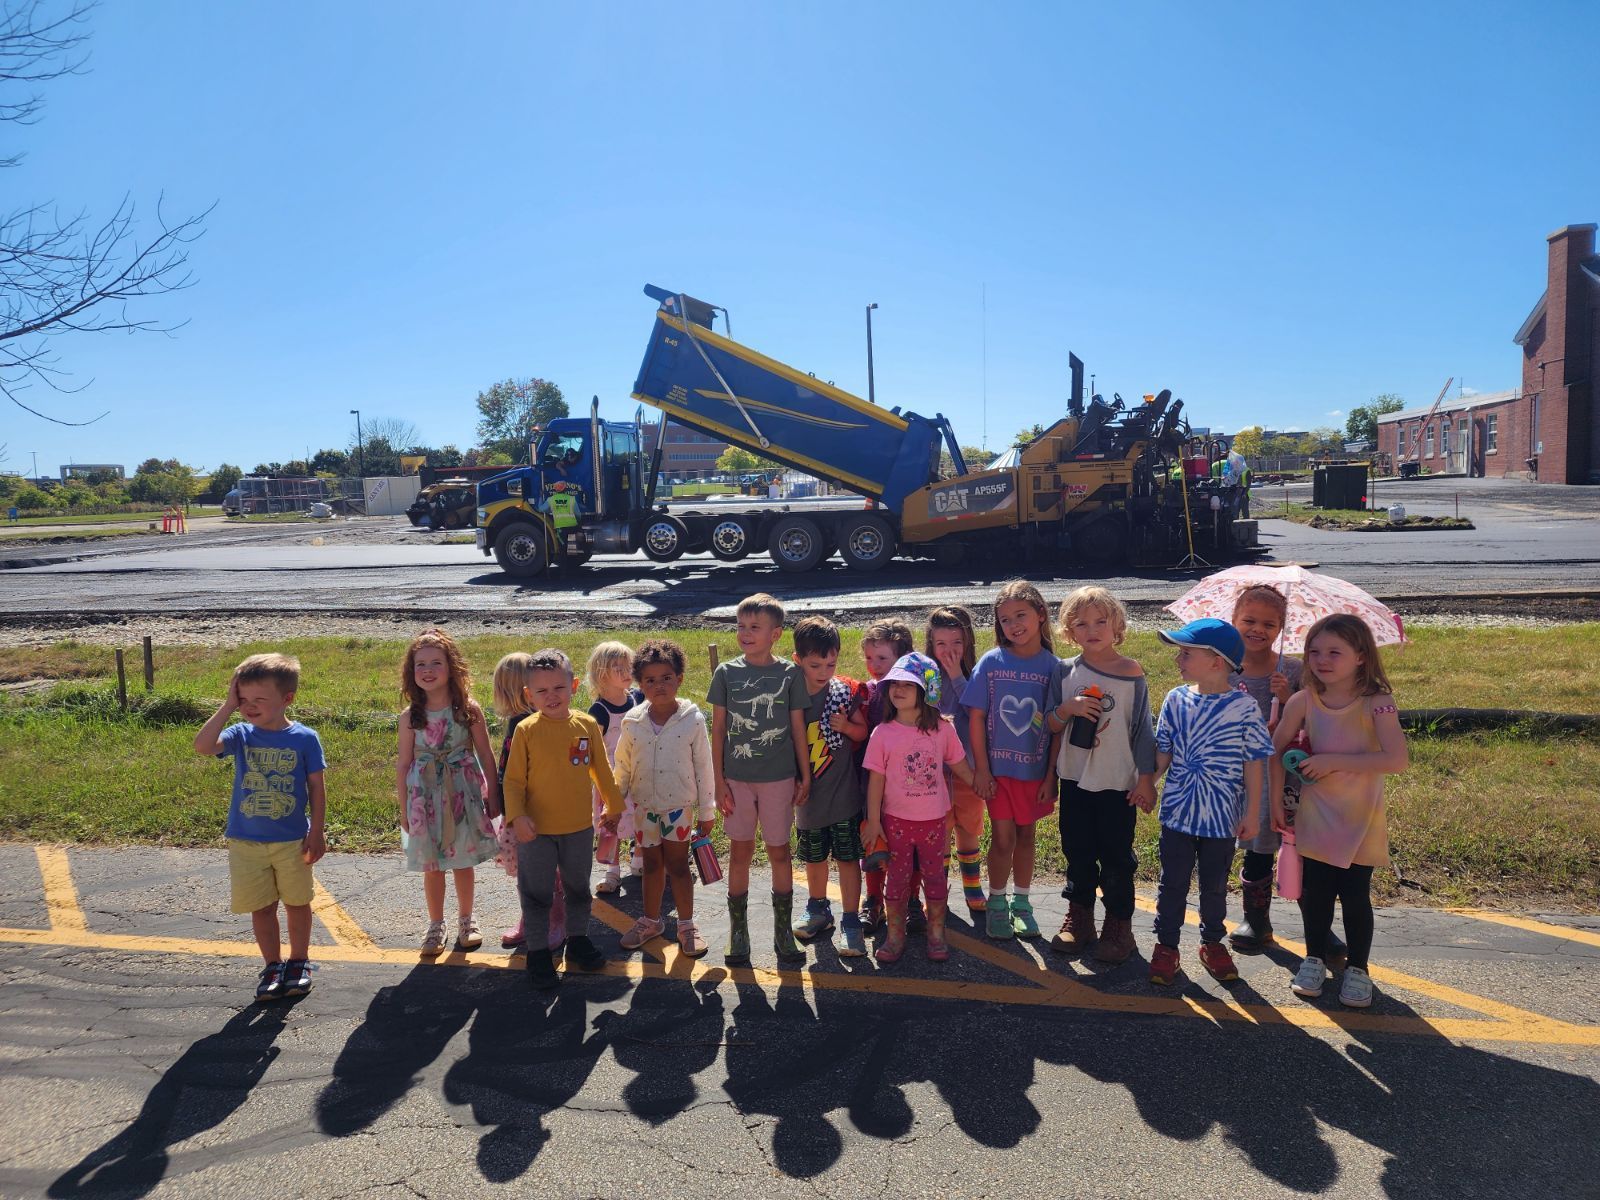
(674, 825)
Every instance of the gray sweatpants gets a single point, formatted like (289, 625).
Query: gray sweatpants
(1180, 852)
(537, 862)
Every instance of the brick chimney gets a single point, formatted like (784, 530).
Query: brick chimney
(1556, 366)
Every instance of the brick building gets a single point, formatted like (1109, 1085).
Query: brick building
(686, 454)
(1547, 429)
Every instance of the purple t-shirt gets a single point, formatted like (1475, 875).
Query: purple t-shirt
(1014, 693)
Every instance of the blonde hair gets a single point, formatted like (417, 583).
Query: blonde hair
(1353, 632)
(1021, 589)
(1093, 597)
(601, 660)
(282, 669)
(511, 676)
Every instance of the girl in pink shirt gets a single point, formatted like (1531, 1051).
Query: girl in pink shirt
(908, 801)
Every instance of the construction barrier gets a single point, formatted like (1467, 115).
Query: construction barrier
(172, 521)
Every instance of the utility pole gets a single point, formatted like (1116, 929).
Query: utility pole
(872, 391)
(35, 454)
(361, 445)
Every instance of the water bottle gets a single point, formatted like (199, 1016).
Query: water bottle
(607, 847)
(1289, 868)
(705, 860)
(1084, 729)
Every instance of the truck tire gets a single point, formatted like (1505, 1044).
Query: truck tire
(796, 543)
(729, 539)
(664, 538)
(519, 548)
(866, 542)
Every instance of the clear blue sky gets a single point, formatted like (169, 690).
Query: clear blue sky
(1276, 210)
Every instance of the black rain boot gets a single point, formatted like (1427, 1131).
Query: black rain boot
(1255, 934)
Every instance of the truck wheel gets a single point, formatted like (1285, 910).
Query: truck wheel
(867, 543)
(729, 540)
(796, 544)
(519, 549)
(665, 538)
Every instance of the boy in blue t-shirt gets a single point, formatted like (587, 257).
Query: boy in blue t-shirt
(275, 819)
(1212, 745)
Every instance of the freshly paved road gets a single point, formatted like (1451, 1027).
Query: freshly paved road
(1528, 538)
(135, 1064)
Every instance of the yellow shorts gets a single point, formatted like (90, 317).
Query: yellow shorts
(262, 873)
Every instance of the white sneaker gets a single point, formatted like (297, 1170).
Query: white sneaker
(1309, 978)
(468, 935)
(433, 938)
(612, 883)
(1355, 991)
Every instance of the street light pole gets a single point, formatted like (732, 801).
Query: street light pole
(361, 445)
(872, 391)
(35, 454)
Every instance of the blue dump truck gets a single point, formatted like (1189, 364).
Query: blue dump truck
(1103, 483)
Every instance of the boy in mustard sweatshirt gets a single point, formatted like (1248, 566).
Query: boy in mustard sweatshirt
(556, 755)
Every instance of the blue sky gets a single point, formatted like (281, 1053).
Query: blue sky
(1278, 211)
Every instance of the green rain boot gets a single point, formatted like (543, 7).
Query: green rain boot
(738, 950)
(782, 934)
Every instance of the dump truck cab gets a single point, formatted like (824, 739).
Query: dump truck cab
(582, 492)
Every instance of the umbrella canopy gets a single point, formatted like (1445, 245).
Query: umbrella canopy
(1311, 597)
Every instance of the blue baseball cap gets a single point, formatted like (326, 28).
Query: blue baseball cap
(1209, 633)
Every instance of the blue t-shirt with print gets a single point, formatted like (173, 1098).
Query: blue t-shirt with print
(1210, 735)
(1014, 693)
(271, 768)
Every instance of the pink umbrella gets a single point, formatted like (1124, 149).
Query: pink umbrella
(1311, 597)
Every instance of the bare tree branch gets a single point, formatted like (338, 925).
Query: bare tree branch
(66, 274)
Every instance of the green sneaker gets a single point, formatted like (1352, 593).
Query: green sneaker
(998, 917)
(1022, 922)
(738, 950)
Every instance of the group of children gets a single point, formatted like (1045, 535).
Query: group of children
(877, 777)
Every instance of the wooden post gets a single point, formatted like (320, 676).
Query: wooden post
(122, 683)
(149, 665)
(711, 653)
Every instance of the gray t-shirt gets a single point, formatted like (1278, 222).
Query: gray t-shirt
(1260, 686)
(759, 747)
(835, 789)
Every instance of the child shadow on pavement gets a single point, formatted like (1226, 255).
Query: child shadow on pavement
(208, 1083)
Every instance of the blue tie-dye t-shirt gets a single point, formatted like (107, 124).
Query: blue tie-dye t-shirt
(1210, 735)
(1014, 693)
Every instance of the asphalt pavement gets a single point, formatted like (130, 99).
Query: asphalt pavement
(1528, 538)
(136, 1064)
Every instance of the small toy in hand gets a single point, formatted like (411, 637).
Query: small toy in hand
(1292, 760)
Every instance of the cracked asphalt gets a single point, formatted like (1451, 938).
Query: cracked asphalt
(135, 1064)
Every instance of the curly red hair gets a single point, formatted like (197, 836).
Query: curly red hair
(460, 678)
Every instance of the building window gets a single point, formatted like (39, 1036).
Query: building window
(1444, 437)
(1427, 440)
(1533, 440)
(1491, 433)
(1400, 446)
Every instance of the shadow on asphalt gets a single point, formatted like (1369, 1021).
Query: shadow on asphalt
(209, 1083)
(1450, 1119)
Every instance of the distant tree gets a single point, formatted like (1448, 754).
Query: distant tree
(1279, 447)
(59, 273)
(393, 432)
(1028, 435)
(156, 466)
(31, 499)
(95, 478)
(976, 458)
(736, 460)
(174, 483)
(335, 461)
(493, 458)
(1362, 423)
(220, 483)
(1248, 442)
(267, 468)
(445, 456)
(1318, 440)
(509, 412)
(297, 467)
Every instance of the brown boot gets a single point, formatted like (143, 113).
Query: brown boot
(894, 945)
(1116, 940)
(938, 948)
(1077, 931)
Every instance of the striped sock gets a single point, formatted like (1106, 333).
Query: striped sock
(971, 874)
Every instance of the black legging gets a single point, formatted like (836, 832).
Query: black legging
(1256, 865)
(1322, 884)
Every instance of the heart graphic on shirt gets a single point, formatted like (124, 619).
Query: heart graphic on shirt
(1018, 715)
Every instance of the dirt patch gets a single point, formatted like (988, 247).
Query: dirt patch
(1384, 525)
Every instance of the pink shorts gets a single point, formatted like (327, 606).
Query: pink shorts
(772, 803)
(1018, 800)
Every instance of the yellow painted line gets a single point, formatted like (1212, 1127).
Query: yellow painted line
(1586, 936)
(340, 925)
(60, 894)
(1538, 1030)
(1513, 1016)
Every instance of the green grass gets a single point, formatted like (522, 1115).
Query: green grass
(1478, 818)
(145, 515)
(1305, 514)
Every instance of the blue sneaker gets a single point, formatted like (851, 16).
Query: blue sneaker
(296, 977)
(271, 985)
(819, 920)
(852, 940)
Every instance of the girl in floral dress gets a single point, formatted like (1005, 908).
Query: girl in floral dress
(446, 782)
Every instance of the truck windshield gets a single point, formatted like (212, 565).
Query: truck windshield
(562, 449)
